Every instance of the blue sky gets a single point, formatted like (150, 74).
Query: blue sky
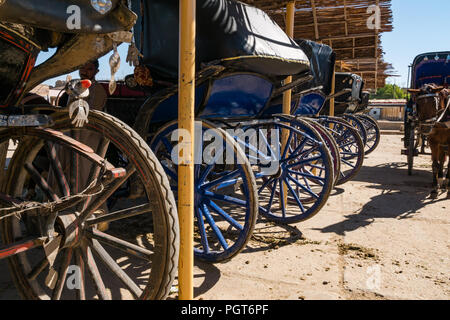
(419, 26)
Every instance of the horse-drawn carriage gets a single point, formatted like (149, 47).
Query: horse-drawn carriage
(427, 115)
(118, 229)
(430, 74)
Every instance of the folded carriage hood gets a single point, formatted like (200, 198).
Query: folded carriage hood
(240, 36)
(57, 15)
(322, 59)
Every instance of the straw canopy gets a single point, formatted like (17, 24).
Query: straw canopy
(350, 27)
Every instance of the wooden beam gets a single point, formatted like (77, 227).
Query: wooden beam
(316, 25)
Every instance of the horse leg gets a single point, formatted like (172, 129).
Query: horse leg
(448, 176)
(422, 148)
(441, 161)
(435, 158)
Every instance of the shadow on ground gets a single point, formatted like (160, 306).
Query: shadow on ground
(402, 196)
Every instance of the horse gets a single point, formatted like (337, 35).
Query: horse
(439, 140)
(432, 104)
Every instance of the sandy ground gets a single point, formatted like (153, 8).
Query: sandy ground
(379, 237)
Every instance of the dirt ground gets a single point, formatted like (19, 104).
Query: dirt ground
(379, 237)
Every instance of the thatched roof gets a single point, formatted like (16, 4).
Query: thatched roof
(342, 24)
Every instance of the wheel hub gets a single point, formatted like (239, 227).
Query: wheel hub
(71, 230)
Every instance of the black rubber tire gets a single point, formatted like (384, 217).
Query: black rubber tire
(332, 145)
(156, 185)
(358, 125)
(373, 133)
(342, 124)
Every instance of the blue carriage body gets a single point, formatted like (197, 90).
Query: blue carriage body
(235, 96)
(430, 68)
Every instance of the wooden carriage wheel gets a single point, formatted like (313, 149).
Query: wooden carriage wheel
(104, 246)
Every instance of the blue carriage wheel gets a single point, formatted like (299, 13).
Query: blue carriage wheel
(358, 125)
(351, 147)
(373, 132)
(226, 202)
(331, 145)
(303, 174)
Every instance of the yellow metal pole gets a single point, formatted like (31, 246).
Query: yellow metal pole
(287, 96)
(186, 166)
(333, 91)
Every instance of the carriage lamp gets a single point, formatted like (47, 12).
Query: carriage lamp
(102, 6)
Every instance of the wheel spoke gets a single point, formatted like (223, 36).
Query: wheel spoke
(40, 181)
(224, 215)
(95, 274)
(265, 184)
(110, 189)
(301, 155)
(307, 175)
(121, 214)
(304, 161)
(210, 166)
(295, 196)
(95, 170)
(225, 198)
(168, 145)
(57, 169)
(272, 195)
(62, 274)
(283, 204)
(348, 163)
(37, 270)
(213, 225)
(303, 187)
(294, 154)
(120, 244)
(81, 291)
(288, 143)
(201, 228)
(116, 269)
(346, 145)
(74, 165)
(227, 177)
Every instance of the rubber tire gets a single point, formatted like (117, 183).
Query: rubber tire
(165, 221)
(332, 145)
(358, 125)
(359, 143)
(372, 124)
